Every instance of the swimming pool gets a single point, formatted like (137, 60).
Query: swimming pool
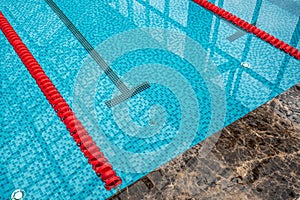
(188, 56)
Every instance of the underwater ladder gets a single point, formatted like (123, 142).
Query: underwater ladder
(96, 158)
(250, 28)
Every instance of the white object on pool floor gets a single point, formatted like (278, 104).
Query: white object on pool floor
(246, 64)
(18, 194)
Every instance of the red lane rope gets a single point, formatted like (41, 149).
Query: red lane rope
(89, 148)
(250, 28)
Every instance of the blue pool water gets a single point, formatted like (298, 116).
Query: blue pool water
(198, 86)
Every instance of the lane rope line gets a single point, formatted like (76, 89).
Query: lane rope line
(91, 151)
(292, 51)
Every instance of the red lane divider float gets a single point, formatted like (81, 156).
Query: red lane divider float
(250, 28)
(89, 148)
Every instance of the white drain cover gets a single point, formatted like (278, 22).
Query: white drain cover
(18, 195)
(246, 64)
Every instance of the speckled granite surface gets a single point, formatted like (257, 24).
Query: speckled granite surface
(257, 157)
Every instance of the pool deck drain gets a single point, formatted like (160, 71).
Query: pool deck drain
(257, 157)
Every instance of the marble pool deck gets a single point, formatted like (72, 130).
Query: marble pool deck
(257, 157)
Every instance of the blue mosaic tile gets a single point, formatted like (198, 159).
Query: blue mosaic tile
(277, 18)
(198, 86)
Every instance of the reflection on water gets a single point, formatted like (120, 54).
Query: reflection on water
(268, 65)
